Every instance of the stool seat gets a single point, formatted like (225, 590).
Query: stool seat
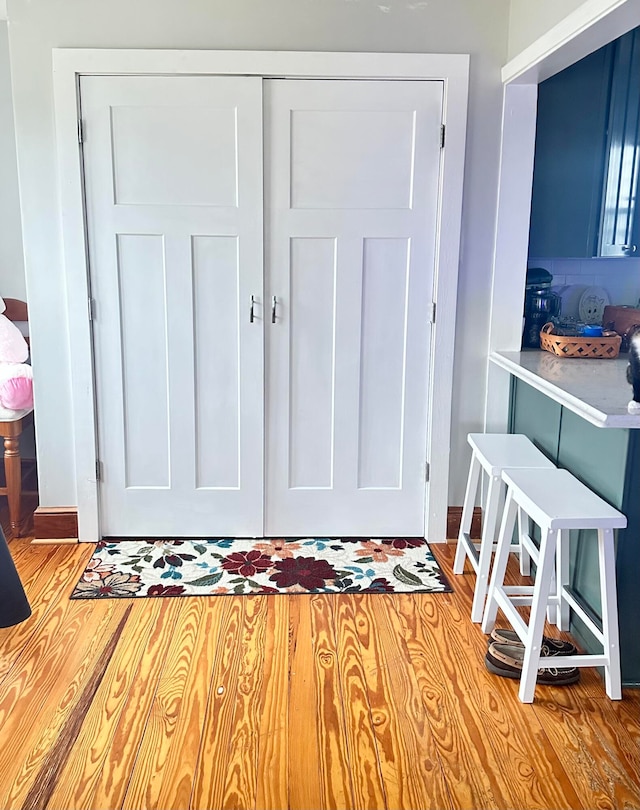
(493, 453)
(504, 451)
(560, 501)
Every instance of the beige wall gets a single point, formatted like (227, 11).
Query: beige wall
(12, 284)
(436, 26)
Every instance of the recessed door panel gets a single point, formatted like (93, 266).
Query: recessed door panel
(145, 405)
(161, 157)
(312, 293)
(353, 159)
(383, 385)
(216, 328)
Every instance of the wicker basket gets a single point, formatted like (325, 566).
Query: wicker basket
(607, 346)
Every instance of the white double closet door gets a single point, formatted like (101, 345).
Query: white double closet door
(304, 412)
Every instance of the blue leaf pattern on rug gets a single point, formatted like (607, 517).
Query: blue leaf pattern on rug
(166, 567)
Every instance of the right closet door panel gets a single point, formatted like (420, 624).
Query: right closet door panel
(351, 200)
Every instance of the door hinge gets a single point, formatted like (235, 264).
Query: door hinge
(92, 309)
(80, 130)
(427, 471)
(442, 130)
(432, 317)
(98, 470)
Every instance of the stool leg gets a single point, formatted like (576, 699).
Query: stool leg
(525, 559)
(500, 561)
(562, 579)
(486, 548)
(612, 678)
(546, 564)
(467, 513)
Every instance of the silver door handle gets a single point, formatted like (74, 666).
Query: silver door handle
(274, 302)
(251, 309)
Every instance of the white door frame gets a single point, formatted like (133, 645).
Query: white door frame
(70, 64)
(589, 27)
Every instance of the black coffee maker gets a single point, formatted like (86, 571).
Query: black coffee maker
(540, 305)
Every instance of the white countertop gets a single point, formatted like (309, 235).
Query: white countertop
(595, 389)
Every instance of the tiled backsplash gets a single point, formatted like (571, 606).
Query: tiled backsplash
(619, 277)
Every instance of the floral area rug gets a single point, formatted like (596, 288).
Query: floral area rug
(127, 568)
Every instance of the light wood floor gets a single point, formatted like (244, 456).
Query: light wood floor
(288, 702)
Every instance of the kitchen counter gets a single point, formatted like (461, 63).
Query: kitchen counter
(596, 390)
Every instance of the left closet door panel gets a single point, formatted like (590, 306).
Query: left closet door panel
(173, 184)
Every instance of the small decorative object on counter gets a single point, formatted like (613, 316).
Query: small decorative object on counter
(622, 320)
(607, 346)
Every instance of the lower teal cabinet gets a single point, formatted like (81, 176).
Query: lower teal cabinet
(607, 460)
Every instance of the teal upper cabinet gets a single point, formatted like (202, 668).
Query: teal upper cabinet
(620, 229)
(585, 179)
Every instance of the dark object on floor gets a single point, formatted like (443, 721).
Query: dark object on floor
(506, 660)
(550, 646)
(14, 607)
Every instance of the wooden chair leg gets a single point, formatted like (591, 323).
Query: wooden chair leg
(13, 474)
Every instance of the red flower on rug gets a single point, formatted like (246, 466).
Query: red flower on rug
(305, 571)
(246, 563)
(404, 542)
(165, 590)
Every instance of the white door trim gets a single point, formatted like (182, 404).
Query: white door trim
(588, 28)
(70, 64)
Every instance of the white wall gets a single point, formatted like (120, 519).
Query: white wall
(12, 284)
(530, 19)
(436, 26)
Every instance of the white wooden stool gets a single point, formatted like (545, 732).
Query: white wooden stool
(557, 502)
(493, 453)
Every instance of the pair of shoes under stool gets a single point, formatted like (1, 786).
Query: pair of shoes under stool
(505, 656)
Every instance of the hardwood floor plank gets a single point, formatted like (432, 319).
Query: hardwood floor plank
(91, 766)
(42, 787)
(165, 764)
(411, 770)
(42, 689)
(45, 581)
(121, 752)
(304, 774)
(471, 767)
(211, 769)
(334, 763)
(241, 783)
(79, 779)
(366, 776)
(272, 766)
(591, 752)
(530, 766)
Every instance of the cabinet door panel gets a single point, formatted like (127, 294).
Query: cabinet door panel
(621, 211)
(569, 159)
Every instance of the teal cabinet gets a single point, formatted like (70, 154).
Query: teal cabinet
(585, 178)
(537, 416)
(607, 460)
(620, 221)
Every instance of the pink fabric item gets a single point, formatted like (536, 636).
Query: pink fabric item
(17, 393)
